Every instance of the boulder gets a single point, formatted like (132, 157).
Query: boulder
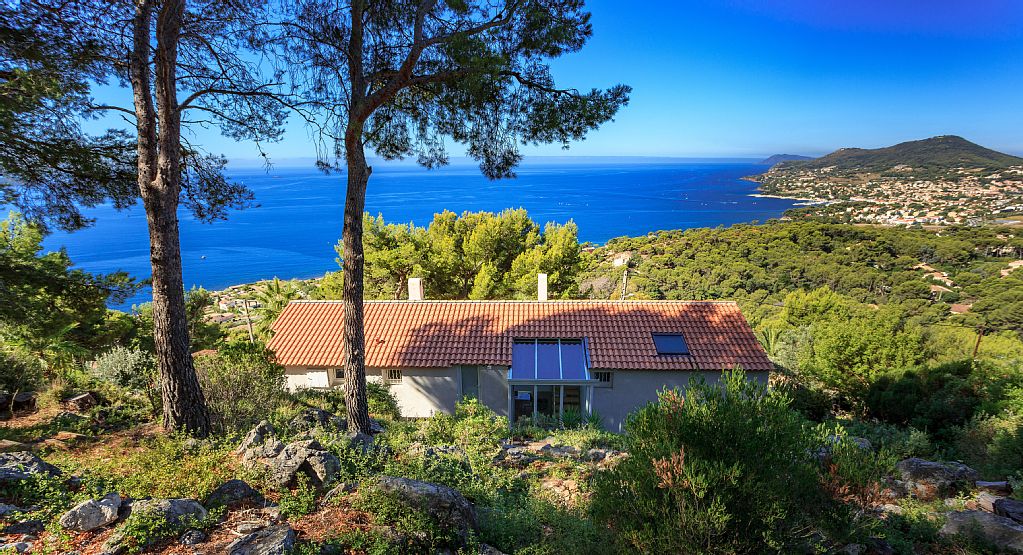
(8, 445)
(998, 488)
(30, 527)
(1010, 508)
(81, 402)
(447, 506)
(929, 480)
(338, 491)
(998, 531)
(21, 465)
(271, 540)
(6, 509)
(303, 457)
(359, 441)
(311, 419)
(192, 537)
(92, 514)
(986, 501)
(15, 547)
(24, 401)
(177, 512)
(232, 492)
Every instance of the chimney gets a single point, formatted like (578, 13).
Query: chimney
(541, 287)
(415, 289)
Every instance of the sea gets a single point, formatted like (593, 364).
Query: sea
(296, 221)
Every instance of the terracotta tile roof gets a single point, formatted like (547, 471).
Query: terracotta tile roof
(424, 334)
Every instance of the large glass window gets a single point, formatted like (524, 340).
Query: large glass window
(549, 360)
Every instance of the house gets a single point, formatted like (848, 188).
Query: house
(523, 357)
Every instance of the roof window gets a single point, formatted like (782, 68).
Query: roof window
(670, 344)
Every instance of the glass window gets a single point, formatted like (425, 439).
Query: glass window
(605, 378)
(394, 375)
(573, 361)
(470, 381)
(670, 344)
(548, 360)
(523, 360)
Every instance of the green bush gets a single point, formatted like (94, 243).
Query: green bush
(298, 501)
(132, 370)
(928, 398)
(900, 442)
(417, 531)
(474, 427)
(382, 403)
(242, 383)
(718, 469)
(19, 372)
(522, 523)
(992, 444)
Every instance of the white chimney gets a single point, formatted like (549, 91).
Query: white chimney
(415, 289)
(541, 287)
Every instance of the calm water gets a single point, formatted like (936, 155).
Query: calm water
(293, 231)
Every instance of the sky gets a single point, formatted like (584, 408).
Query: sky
(751, 78)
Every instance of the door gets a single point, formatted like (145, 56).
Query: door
(470, 379)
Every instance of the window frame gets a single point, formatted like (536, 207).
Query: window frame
(389, 376)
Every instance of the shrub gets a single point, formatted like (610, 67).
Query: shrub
(992, 444)
(130, 369)
(900, 442)
(717, 469)
(418, 530)
(299, 501)
(242, 383)
(929, 398)
(473, 427)
(382, 403)
(19, 372)
(523, 523)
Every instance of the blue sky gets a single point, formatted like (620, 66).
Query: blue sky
(749, 78)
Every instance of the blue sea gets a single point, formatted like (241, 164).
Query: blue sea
(292, 231)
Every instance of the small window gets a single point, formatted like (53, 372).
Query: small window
(394, 375)
(605, 379)
(339, 374)
(670, 344)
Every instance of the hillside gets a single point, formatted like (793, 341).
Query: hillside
(940, 181)
(945, 152)
(779, 158)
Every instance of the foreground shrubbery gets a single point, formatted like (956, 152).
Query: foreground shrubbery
(719, 470)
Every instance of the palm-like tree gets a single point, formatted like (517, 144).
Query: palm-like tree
(272, 299)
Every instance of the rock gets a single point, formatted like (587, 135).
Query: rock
(304, 457)
(177, 512)
(1002, 533)
(91, 514)
(6, 509)
(853, 549)
(7, 445)
(986, 501)
(375, 427)
(81, 402)
(879, 546)
(310, 419)
(31, 527)
(249, 527)
(232, 492)
(192, 537)
(1000, 488)
(447, 506)
(890, 508)
(359, 441)
(271, 540)
(260, 442)
(489, 550)
(342, 489)
(594, 455)
(21, 465)
(16, 547)
(929, 480)
(1009, 508)
(24, 401)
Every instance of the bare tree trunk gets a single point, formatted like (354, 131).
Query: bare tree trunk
(159, 150)
(353, 292)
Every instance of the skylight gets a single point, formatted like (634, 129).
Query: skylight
(670, 344)
(549, 360)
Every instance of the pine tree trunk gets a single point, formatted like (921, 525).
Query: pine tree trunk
(352, 295)
(159, 165)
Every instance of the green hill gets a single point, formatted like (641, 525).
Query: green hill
(779, 158)
(935, 154)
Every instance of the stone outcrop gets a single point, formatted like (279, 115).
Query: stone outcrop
(1009, 508)
(92, 514)
(271, 540)
(22, 465)
(995, 530)
(447, 506)
(285, 463)
(232, 492)
(311, 419)
(928, 480)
